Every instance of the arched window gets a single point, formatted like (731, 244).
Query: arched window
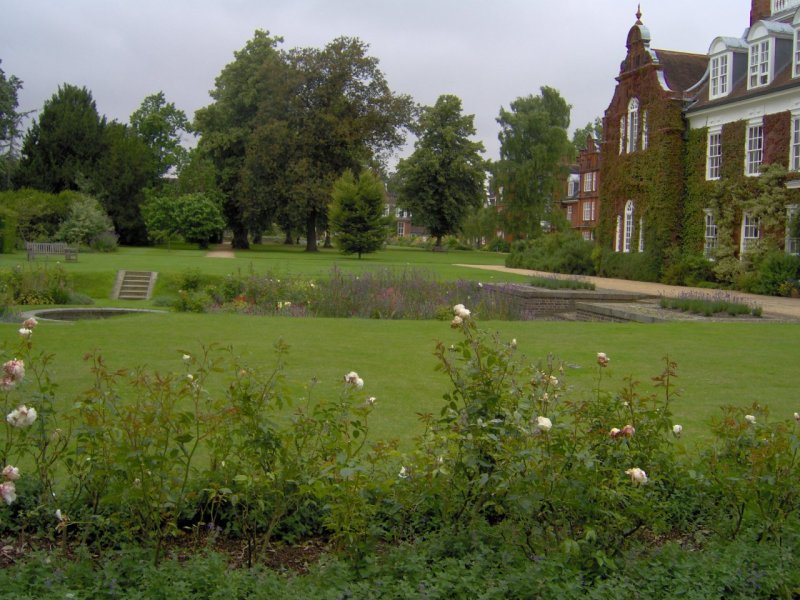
(633, 124)
(628, 228)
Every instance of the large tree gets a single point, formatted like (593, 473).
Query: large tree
(9, 125)
(444, 177)
(535, 151)
(161, 125)
(125, 168)
(254, 82)
(63, 145)
(356, 214)
(285, 125)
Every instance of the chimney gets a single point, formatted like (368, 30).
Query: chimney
(760, 9)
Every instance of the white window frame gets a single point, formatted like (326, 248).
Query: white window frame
(794, 144)
(645, 131)
(754, 149)
(633, 125)
(641, 234)
(627, 238)
(714, 155)
(792, 245)
(401, 229)
(796, 54)
(618, 235)
(573, 188)
(759, 70)
(711, 235)
(720, 76)
(569, 213)
(751, 232)
(622, 142)
(590, 181)
(588, 210)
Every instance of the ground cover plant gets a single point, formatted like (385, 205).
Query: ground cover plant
(377, 294)
(553, 283)
(513, 463)
(724, 304)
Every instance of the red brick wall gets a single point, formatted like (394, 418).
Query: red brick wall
(760, 9)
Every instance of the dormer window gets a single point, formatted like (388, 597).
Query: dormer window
(796, 70)
(759, 71)
(720, 76)
(633, 125)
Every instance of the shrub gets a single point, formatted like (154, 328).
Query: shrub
(560, 252)
(775, 274)
(498, 244)
(85, 222)
(688, 269)
(703, 305)
(562, 284)
(36, 285)
(635, 266)
(8, 230)
(106, 241)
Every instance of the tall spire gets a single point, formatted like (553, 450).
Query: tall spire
(639, 15)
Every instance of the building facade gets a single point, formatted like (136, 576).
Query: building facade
(688, 139)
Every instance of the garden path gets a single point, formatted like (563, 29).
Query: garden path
(771, 305)
(221, 251)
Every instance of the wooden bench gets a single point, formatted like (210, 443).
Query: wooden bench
(51, 248)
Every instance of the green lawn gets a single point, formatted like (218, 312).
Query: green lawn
(94, 273)
(718, 363)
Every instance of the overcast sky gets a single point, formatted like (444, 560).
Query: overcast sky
(487, 52)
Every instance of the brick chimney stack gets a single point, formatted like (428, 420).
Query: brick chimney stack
(760, 9)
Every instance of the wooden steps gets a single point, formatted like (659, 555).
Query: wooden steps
(134, 285)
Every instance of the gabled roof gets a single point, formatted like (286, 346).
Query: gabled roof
(682, 70)
(739, 91)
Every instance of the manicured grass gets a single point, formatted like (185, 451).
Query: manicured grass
(94, 273)
(718, 363)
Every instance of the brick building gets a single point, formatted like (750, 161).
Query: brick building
(681, 127)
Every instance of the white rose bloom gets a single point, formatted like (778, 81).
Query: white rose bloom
(750, 419)
(677, 430)
(11, 473)
(544, 424)
(637, 475)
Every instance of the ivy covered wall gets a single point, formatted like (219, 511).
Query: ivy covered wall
(653, 178)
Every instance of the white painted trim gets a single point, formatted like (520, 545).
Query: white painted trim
(746, 109)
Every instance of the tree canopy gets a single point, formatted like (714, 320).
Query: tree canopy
(444, 177)
(63, 145)
(592, 128)
(9, 124)
(356, 213)
(160, 124)
(286, 124)
(535, 151)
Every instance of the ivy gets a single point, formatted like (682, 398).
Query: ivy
(654, 179)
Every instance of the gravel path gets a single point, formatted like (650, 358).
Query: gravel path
(771, 305)
(221, 251)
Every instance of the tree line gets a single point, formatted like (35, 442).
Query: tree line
(295, 139)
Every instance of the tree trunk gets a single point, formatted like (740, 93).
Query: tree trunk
(288, 241)
(239, 241)
(311, 232)
(328, 243)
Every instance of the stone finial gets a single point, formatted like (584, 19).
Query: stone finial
(639, 15)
